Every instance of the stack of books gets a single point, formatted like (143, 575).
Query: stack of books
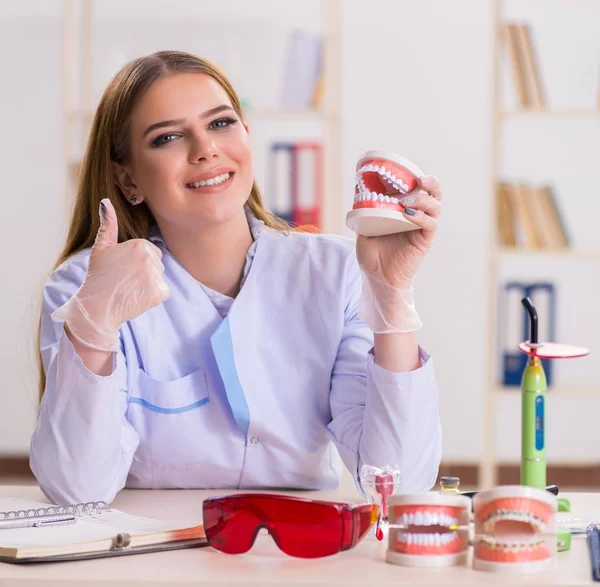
(528, 217)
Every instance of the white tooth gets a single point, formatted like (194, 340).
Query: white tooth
(435, 519)
(386, 199)
(411, 518)
(437, 539)
(381, 170)
(427, 515)
(380, 197)
(210, 181)
(431, 539)
(419, 519)
(409, 539)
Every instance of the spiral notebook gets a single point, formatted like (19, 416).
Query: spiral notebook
(98, 531)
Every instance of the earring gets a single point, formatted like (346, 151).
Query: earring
(133, 200)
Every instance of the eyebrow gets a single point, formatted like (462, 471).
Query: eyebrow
(206, 114)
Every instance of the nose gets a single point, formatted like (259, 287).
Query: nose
(203, 148)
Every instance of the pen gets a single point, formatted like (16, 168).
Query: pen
(38, 521)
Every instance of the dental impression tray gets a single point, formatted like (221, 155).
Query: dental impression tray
(514, 529)
(428, 537)
(382, 178)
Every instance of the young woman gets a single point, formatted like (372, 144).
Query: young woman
(190, 339)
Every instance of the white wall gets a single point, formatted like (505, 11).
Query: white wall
(30, 164)
(416, 80)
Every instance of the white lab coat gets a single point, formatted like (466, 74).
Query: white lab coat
(263, 398)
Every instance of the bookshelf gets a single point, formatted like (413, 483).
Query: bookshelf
(78, 25)
(523, 114)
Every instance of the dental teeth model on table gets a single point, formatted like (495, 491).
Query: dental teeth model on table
(382, 180)
(515, 529)
(426, 536)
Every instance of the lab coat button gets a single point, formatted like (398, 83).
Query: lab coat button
(255, 440)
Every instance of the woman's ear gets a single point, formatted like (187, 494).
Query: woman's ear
(124, 179)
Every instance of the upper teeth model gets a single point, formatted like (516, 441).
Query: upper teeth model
(426, 537)
(514, 529)
(212, 181)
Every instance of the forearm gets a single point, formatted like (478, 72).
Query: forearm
(81, 448)
(397, 353)
(401, 424)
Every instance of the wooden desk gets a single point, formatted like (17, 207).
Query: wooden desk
(265, 564)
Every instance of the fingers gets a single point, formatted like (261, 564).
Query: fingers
(423, 220)
(108, 233)
(431, 184)
(421, 200)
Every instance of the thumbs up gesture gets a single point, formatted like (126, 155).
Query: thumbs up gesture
(123, 281)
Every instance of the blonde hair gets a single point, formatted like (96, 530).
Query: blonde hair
(109, 141)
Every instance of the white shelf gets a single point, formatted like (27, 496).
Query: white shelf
(286, 113)
(78, 115)
(568, 253)
(575, 114)
(553, 392)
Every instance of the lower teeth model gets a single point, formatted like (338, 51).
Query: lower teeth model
(382, 179)
(426, 537)
(514, 529)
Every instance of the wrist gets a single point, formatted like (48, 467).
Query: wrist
(89, 328)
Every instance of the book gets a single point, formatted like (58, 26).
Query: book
(517, 40)
(533, 82)
(99, 531)
(511, 42)
(528, 217)
(307, 185)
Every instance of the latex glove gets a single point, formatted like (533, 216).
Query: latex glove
(389, 263)
(123, 280)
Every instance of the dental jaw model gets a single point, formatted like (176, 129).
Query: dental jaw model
(382, 179)
(426, 536)
(514, 529)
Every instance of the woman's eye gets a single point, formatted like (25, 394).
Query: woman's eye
(163, 139)
(222, 123)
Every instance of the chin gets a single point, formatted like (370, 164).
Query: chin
(221, 212)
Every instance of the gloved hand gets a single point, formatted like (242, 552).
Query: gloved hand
(123, 280)
(390, 262)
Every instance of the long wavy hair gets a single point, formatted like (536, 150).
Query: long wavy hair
(109, 141)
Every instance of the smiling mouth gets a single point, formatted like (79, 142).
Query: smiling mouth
(211, 182)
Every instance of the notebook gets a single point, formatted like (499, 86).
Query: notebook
(98, 531)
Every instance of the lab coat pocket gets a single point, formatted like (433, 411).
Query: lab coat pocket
(171, 397)
(170, 417)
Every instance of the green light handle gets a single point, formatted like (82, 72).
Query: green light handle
(533, 424)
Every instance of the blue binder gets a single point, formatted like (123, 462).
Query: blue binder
(281, 180)
(543, 296)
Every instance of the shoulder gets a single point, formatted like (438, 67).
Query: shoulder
(66, 279)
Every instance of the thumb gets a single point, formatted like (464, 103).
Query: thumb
(108, 233)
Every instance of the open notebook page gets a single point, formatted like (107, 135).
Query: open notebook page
(91, 532)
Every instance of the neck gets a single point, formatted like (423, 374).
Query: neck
(215, 255)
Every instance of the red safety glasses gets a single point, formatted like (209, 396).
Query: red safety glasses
(300, 527)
